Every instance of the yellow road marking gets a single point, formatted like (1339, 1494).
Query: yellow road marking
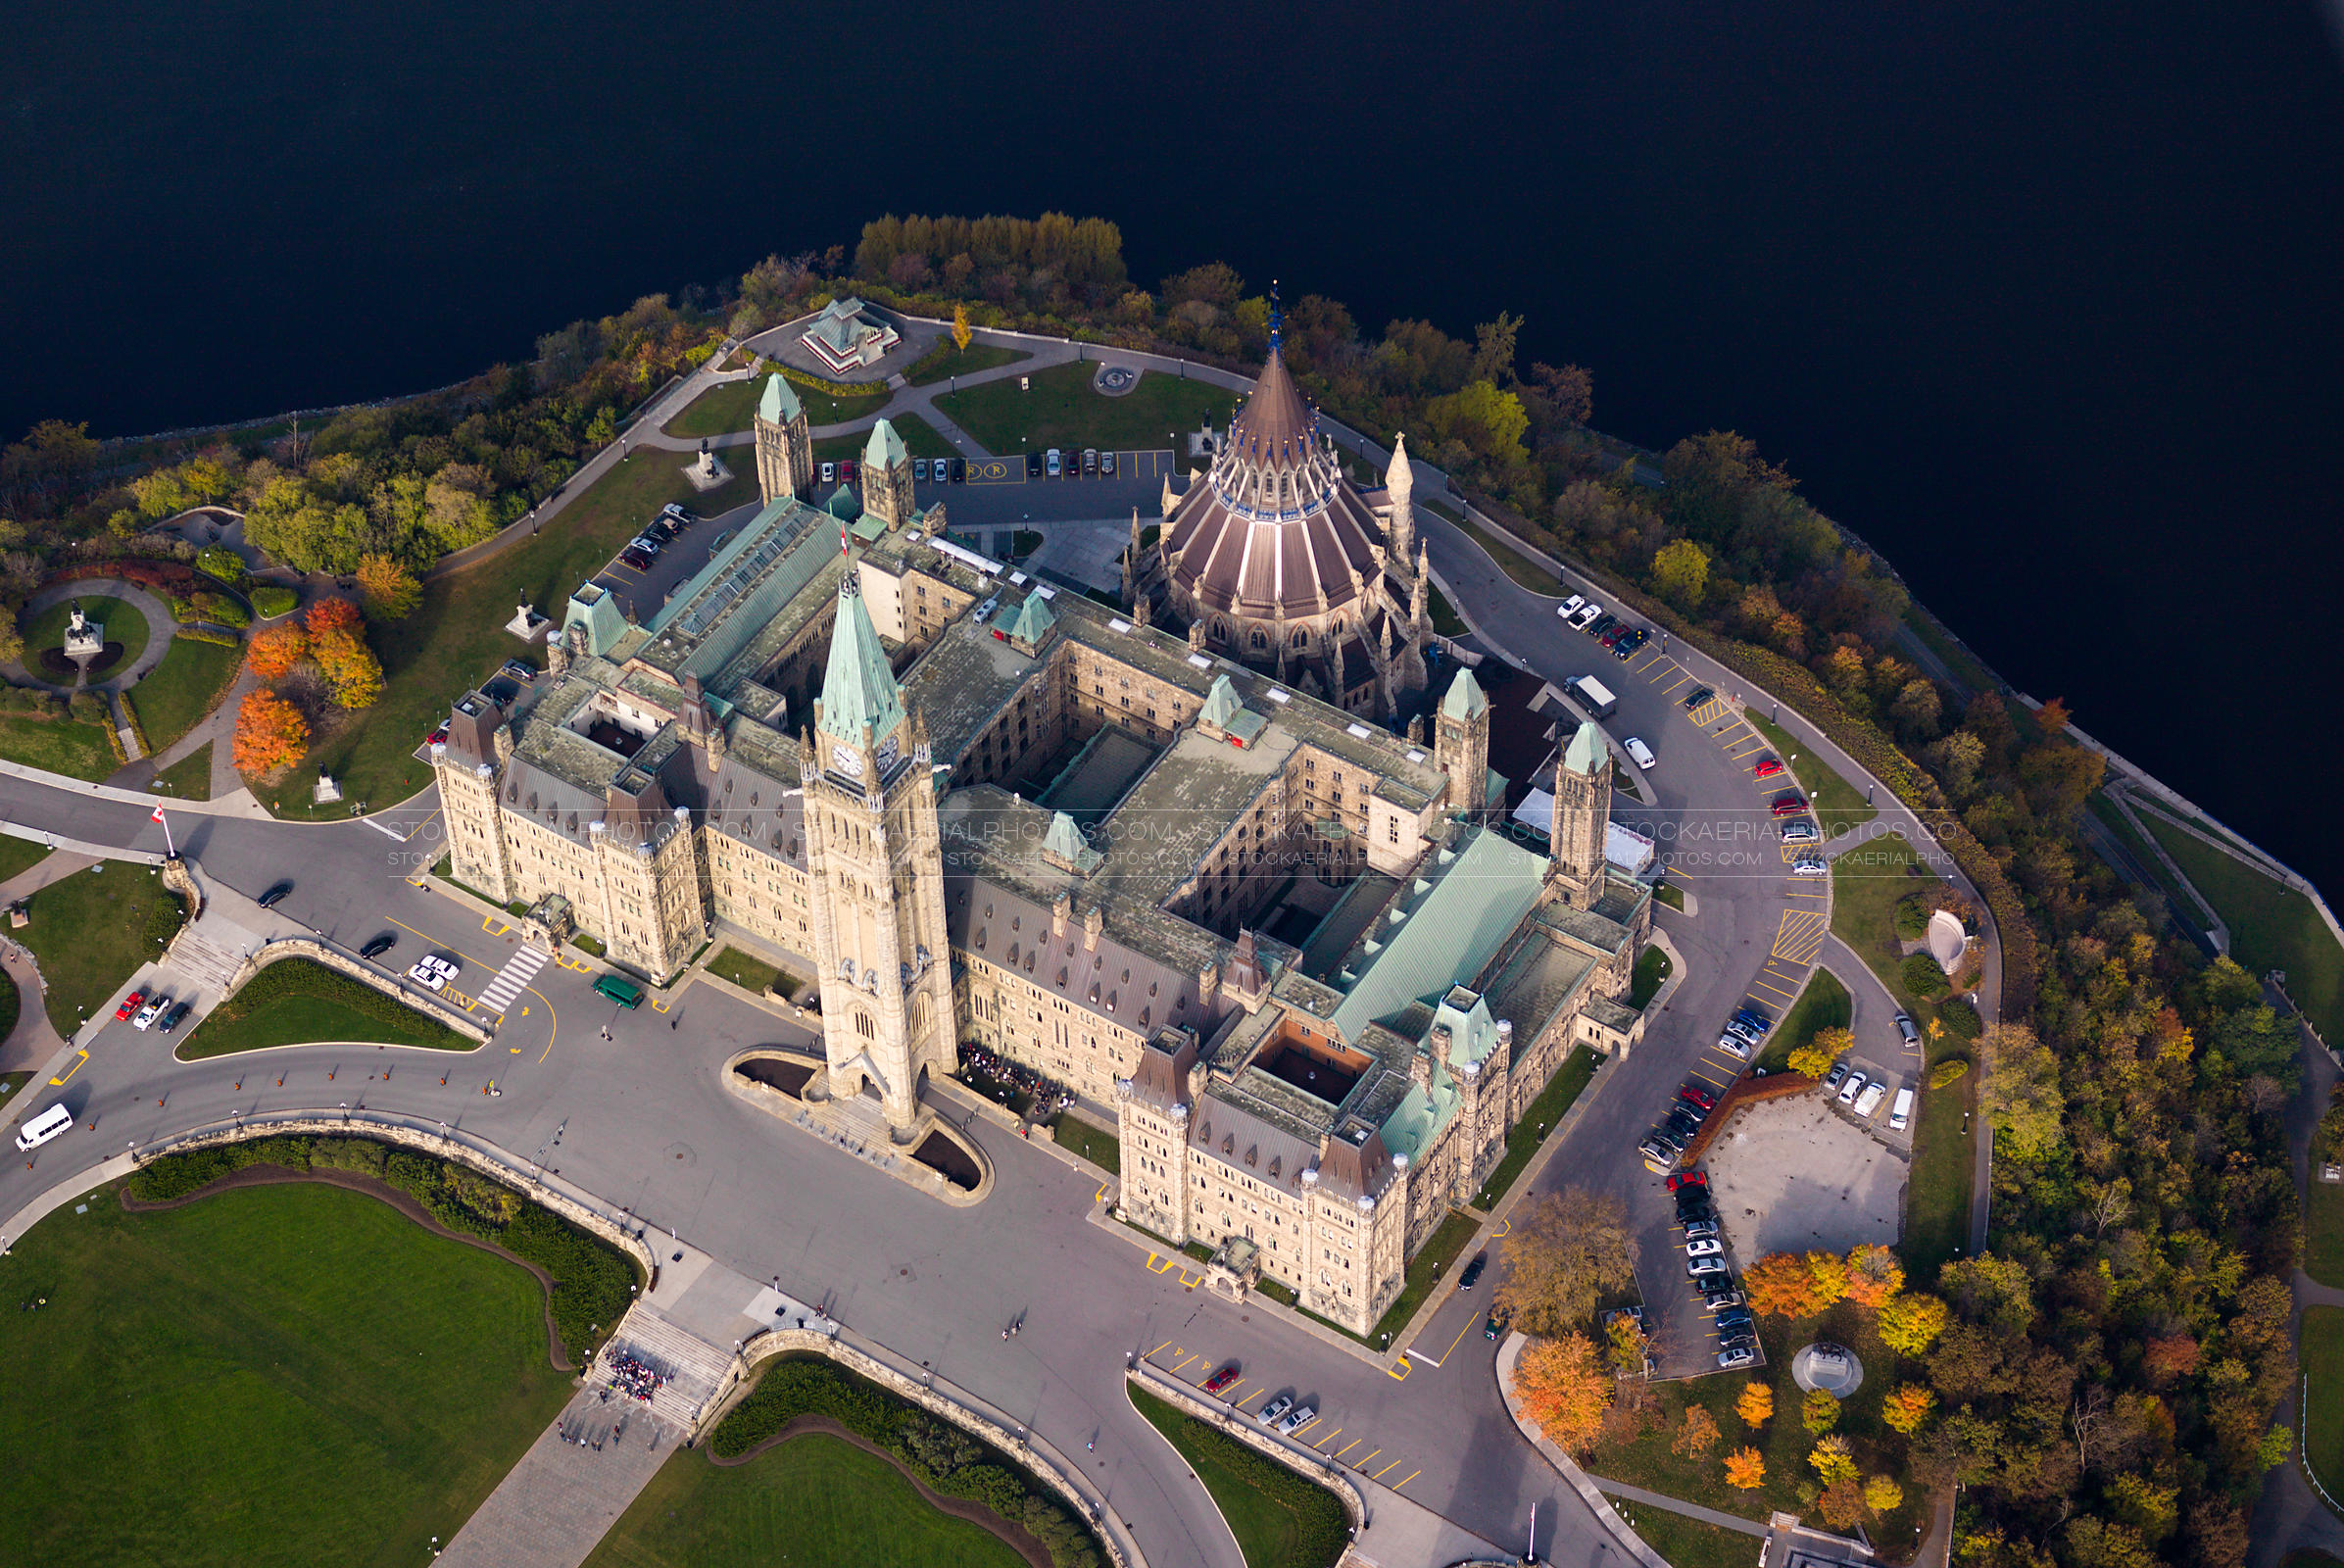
(1185, 1360)
(1400, 1370)
(659, 1005)
(1453, 1344)
(1159, 1350)
(1329, 1438)
(1101, 1195)
(80, 1056)
(493, 926)
(434, 941)
(1379, 1475)
(1405, 1480)
(1370, 1460)
(1307, 1424)
(550, 1032)
(1349, 1447)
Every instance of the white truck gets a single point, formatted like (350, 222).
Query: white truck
(1592, 695)
(1870, 1100)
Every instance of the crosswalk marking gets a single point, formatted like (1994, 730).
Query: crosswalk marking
(513, 979)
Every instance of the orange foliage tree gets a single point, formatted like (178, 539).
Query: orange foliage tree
(333, 615)
(1907, 1407)
(1698, 1435)
(1745, 1468)
(271, 733)
(390, 589)
(1565, 1388)
(1756, 1407)
(1873, 1276)
(341, 651)
(275, 650)
(1789, 1285)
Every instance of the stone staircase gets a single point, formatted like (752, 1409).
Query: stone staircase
(201, 961)
(695, 1370)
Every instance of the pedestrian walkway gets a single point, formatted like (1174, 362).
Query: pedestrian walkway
(563, 1496)
(513, 978)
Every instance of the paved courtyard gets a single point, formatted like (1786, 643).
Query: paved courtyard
(1791, 1176)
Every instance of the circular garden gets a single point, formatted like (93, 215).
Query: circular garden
(44, 638)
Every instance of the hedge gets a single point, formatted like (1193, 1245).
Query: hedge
(1326, 1529)
(270, 601)
(29, 701)
(221, 563)
(1912, 918)
(594, 1281)
(1924, 976)
(951, 1462)
(1948, 1073)
(1960, 1020)
(836, 389)
(203, 634)
(146, 748)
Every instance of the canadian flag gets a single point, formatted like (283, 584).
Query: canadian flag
(158, 813)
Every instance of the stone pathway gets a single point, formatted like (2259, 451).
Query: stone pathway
(34, 1040)
(554, 1507)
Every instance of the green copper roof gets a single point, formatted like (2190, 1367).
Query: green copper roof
(1032, 620)
(884, 448)
(1464, 700)
(779, 404)
(858, 689)
(1472, 1031)
(596, 607)
(842, 505)
(1065, 841)
(1221, 703)
(1445, 935)
(1586, 754)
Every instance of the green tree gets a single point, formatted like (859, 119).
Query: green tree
(1818, 1412)
(1488, 422)
(1681, 573)
(2020, 1094)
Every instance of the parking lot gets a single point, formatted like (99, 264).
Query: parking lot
(1332, 1436)
(1795, 1176)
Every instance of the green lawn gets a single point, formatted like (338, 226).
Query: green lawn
(754, 974)
(284, 1374)
(1936, 1221)
(1280, 1520)
(2272, 926)
(1839, 805)
(457, 636)
(19, 856)
(123, 624)
(12, 1003)
(1670, 893)
(815, 1499)
(295, 1001)
(1651, 972)
(1429, 1267)
(1867, 882)
(2322, 1414)
(1101, 1149)
(2105, 809)
(1823, 1005)
(59, 746)
(948, 359)
(921, 439)
(92, 930)
(1445, 619)
(1690, 1542)
(2323, 1232)
(1063, 412)
(188, 684)
(189, 778)
(730, 407)
(1545, 1112)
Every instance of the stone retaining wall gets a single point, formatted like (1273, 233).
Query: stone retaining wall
(788, 1341)
(1327, 1472)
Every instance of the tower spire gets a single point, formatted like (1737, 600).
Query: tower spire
(1277, 318)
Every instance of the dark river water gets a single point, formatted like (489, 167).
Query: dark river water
(2042, 300)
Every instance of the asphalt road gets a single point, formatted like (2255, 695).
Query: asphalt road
(651, 1129)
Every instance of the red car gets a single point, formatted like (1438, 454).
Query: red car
(1614, 635)
(1697, 1096)
(1688, 1178)
(1790, 806)
(1222, 1379)
(1768, 767)
(130, 1004)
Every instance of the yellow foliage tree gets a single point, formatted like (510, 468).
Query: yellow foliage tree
(1698, 1435)
(1745, 1468)
(1907, 1407)
(391, 591)
(1881, 1493)
(961, 332)
(1911, 1323)
(1756, 1407)
(1565, 1389)
(1833, 1460)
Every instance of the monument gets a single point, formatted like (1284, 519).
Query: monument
(706, 473)
(84, 639)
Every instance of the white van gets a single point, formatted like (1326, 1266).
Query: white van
(1641, 751)
(1902, 1112)
(1870, 1100)
(45, 1126)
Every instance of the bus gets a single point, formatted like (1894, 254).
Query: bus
(43, 1127)
(619, 991)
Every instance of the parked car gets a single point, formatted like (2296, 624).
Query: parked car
(830, 474)
(1090, 459)
(849, 470)
(1870, 1100)
(1033, 464)
(433, 971)
(376, 947)
(1904, 1028)
(1641, 752)
(1657, 1156)
(1612, 634)
(1712, 1285)
(145, 1017)
(919, 467)
(1571, 606)
(1768, 767)
(1730, 1361)
(959, 470)
(1473, 1271)
(1301, 1416)
(1832, 1079)
(1757, 1016)
(1222, 1379)
(1733, 1322)
(1690, 1178)
(637, 556)
(1586, 615)
(1704, 1246)
(1695, 1229)
(1601, 624)
(525, 673)
(1628, 645)
(176, 1017)
(1696, 1267)
(1745, 1031)
(1852, 1088)
(437, 737)
(130, 1004)
(1696, 1095)
(1278, 1406)
(1809, 865)
(1055, 462)
(1107, 463)
(1721, 1301)
(1792, 805)
(1734, 1046)
(1800, 832)
(1494, 1327)
(1695, 1211)
(276, 895)
(1700, 695)
(1900, 1116)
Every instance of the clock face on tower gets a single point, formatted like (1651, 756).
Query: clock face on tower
(887, 756)
(847, 760)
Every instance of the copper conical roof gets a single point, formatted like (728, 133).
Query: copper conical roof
(1275, 424)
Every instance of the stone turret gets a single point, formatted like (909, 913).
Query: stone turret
(785, 448)
(887, 476)
(1399, 514)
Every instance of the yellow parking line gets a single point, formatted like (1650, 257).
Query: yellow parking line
(1185, 1360)
(1370, 1460)
(1453, 1344)
(1159, 1350)
(80, 1056)
(1307, 1424)
(1405, 1480)
(1379, 1475)
(1697, 1073)
(1329, 1438)
(1785, 994)
(1400, 1369)
(1349, 1447)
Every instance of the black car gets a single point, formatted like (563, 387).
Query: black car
(1701, 694)
(1602, 623)
(1682, 1122)
(176, 1017)
(1494, 1325)
(271, 899)
(1716, 1284)
(959, 467)
(379, 946)
(1473, 1271)
(1033, 464)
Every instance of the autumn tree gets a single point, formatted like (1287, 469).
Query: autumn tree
(1815, 1057)
(1627, 1345)
(274, 650)
(1698, 1435)
(1881, 1493)
(1793, 1285)
(1563, 1253)
(340, 648)
(1564, 1388)
(1907, 1407)
(329, 616)
(1911, 1323)
(1681, 573)
(390, 589)
(1873, 1276)
(1745, 1468)
(1842, 1502)
(1756, 1407)
(2019, 1091)
(1832, 1459)
(271, 733)
(961, 332)
(1818, 1412)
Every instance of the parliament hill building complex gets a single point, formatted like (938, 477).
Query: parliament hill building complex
(1191, 878)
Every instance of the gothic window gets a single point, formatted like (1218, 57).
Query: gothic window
(1259, 641)
(1300, 637)
(864, 1027)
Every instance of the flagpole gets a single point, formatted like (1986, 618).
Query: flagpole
(171, 848)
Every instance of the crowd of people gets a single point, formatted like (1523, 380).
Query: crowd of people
(1000, 1076)
(634, 1378)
